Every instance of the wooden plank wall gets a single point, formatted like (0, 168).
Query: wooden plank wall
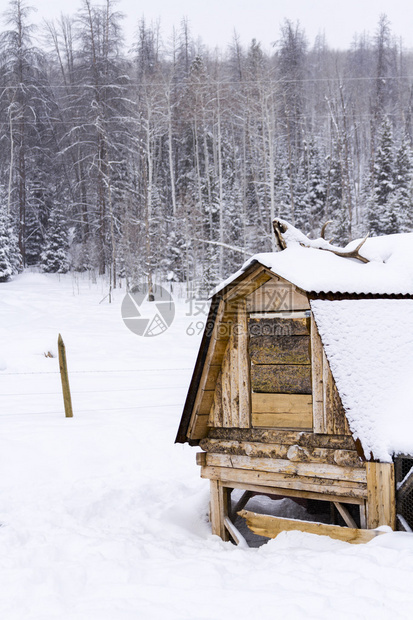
(225, 397)
(277, 295)
(228, 308)
(232, 400)
(279, 350)
(300, 461)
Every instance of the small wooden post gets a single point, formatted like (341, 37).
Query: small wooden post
(381, 501)
(219, 509)
(64, 377)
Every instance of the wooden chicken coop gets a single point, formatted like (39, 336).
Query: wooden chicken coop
(295, 394)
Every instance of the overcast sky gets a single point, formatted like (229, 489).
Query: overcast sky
(215, 20)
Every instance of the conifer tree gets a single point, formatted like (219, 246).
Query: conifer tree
(6, 269)
(402, 199)
(10, 257)
(381, 213)
(55, 253)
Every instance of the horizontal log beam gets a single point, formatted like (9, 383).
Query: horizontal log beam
(230, 476)
(277, 327)
(281, 378)
(287, 437)
(282, 403)
(282, 420)
(280, 350)
(286, 492)
(283, 466)
(269, 526)
(343, 458)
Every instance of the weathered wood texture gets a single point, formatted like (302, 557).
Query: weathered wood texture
(198, 424)
(335, 416)
(231, 406)
(277, 326)
(235, 534)
(313, 477)
(282, 410)
(343, 458)
(348, 519)
(317, 379)
(284, 379)
(281, 403)
(244, 378)
(321, 494)
(64, 376)
(233, 477)
(200, 419)
(328, 411)
(284, 466)
(219, 509)
(381, 500)
(280, 355)
(303, 439)
(249, 285)
(269, 526)
(280, 350)
(277, 295)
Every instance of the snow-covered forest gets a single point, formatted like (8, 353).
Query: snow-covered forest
(172, 159)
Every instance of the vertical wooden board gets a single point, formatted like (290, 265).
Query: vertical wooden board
(244, 379)
(214, 347)
(213, 372)
(219, 508)
(234, 374)
(226, 388)
(317, 379)
(214, 507)
(216, 415)
(340, 426)
(347, 430)
(381, 496)
(327, 397)
(334, 413)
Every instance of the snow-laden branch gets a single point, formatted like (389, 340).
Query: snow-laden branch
(234, 248)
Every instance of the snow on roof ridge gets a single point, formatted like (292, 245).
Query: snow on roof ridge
(293, 236)
(388, 272)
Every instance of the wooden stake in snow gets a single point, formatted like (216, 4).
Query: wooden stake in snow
(65, 378)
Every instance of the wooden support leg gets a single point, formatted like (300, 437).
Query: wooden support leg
(381, 501)
(348, 519)
(363, 516)
(219, 509)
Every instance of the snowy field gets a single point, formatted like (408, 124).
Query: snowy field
(104, 518)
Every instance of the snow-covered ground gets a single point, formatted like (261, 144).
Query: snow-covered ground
(104, 518)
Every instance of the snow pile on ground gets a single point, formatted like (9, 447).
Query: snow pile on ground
(369, 346)
(312, 268)
(104, 518)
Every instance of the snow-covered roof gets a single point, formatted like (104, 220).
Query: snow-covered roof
(369, 345)
(307, 264)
